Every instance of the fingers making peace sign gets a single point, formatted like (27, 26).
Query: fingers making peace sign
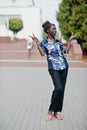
(35, 39)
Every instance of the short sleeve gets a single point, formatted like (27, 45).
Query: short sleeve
(63, 50)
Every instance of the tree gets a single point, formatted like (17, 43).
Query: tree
(72, 17)
(15, 25)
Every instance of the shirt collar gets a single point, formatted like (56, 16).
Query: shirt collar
(55, 40)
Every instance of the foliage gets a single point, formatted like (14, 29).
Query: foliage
(44, 34)
(15, 25)
(72, 17)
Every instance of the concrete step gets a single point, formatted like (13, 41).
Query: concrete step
(11, 52)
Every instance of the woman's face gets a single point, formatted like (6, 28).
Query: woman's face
(52, 30)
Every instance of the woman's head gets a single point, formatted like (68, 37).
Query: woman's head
(49, 28)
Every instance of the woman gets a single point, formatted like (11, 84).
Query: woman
(57, 66)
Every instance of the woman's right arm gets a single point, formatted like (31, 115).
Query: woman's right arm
(36, 40)
(40, 50)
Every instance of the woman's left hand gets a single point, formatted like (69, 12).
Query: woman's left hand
(71, 37)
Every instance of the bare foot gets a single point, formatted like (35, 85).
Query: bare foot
(49, 116)
(57, 116)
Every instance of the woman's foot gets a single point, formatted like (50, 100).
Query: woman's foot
(57, 116)
(49, 116)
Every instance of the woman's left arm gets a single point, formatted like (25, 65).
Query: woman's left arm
(69, 43)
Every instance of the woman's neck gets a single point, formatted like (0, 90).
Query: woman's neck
(50, 39)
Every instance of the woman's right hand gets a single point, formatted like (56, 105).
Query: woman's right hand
(35, 39)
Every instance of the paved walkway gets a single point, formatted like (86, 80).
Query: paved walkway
(25, 96)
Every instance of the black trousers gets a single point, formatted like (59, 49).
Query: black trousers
(59, 81)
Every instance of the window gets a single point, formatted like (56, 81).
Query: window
(4, 18)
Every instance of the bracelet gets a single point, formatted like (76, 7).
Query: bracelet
(38, 45)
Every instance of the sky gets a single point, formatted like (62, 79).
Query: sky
(48, 8)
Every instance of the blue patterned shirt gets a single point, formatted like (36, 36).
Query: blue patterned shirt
(55, 54)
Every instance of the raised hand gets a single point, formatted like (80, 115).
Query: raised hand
(35, 39)
(72, 36)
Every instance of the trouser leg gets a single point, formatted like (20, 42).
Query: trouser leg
(59, 81)
(63, 76)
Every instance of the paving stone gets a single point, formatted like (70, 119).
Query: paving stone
(25, 94)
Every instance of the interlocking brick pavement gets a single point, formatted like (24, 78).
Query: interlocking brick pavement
(25, 94)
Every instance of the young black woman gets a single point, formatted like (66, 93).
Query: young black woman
(57, 66)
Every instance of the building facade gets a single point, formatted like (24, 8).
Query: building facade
(23, 9)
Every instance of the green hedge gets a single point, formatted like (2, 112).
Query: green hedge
(72, 17)
(15, 25)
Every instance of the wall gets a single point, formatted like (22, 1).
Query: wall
(31, 17)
